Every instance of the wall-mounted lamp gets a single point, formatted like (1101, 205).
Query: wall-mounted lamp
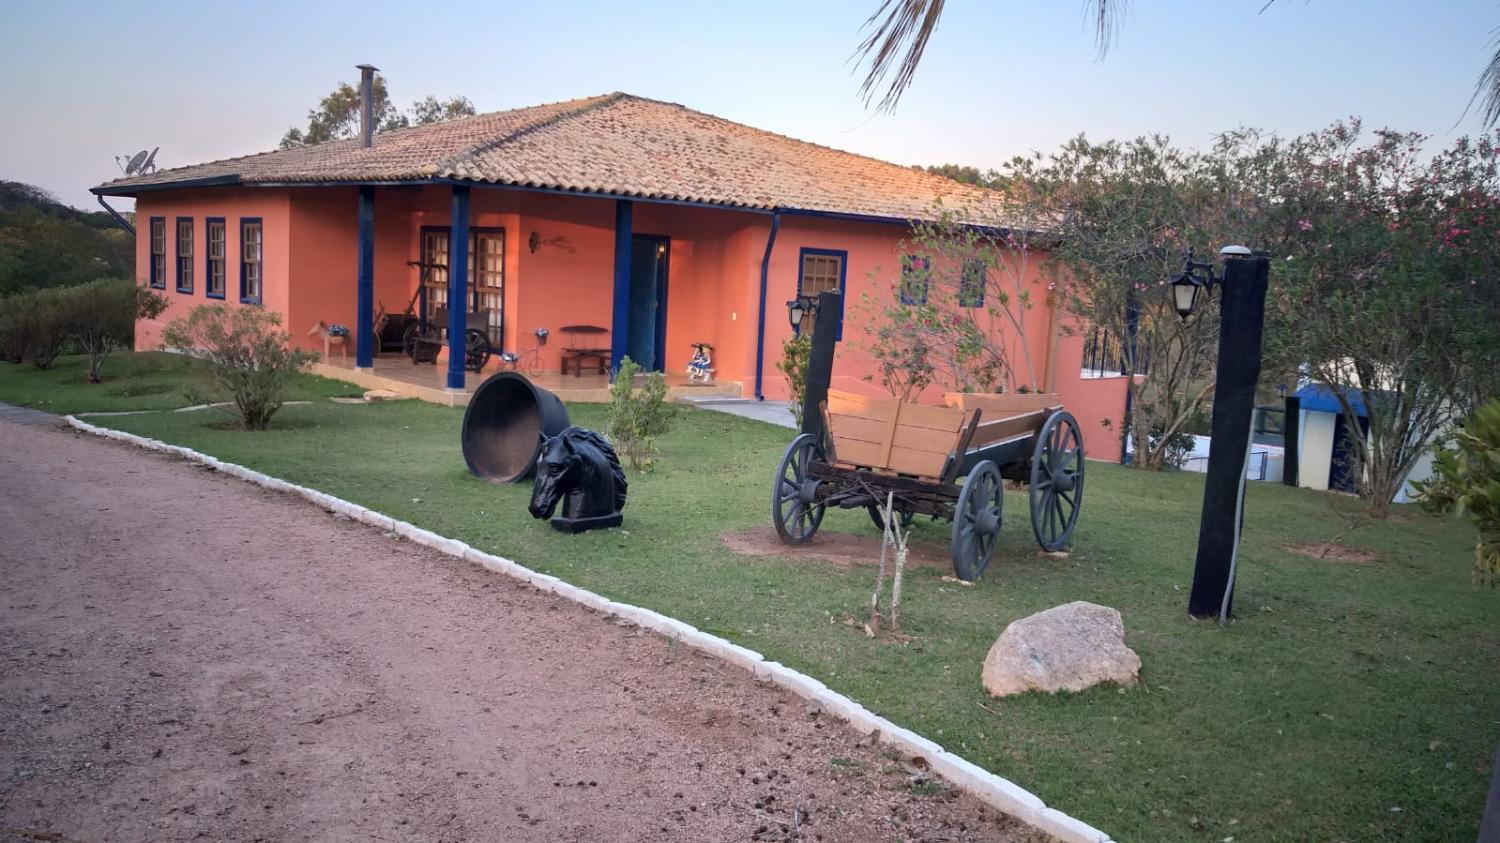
(534, 241)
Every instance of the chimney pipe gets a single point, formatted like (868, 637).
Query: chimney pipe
(366, 104)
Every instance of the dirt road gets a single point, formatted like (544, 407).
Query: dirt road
(186, 656)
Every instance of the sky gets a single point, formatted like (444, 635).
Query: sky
(207, 79)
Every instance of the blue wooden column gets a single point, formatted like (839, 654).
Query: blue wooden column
(620, 328)
(364, 318)
(458, 285)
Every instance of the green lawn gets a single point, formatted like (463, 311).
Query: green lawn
(148, 380)
(1346, 702)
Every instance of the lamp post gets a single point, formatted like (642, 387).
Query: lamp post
(1242, 322)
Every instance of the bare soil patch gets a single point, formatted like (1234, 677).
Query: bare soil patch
(188, 657)
(841, 549)
(1325, 552)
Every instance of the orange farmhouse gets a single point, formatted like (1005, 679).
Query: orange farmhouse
(658, 226)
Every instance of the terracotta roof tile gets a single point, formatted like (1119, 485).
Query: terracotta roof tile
(615, 144)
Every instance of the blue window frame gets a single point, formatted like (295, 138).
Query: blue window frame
(971, 283)
(915, 273)
(185, 255)
(252, 260)
(158, 277)
(820, 271)
(216, 250)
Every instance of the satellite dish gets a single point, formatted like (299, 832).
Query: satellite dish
(138, 164)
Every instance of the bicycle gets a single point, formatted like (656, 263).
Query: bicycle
(529, 360)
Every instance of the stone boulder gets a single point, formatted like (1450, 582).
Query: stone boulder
(1065, 648)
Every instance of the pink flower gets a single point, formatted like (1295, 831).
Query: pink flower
(1305, 225)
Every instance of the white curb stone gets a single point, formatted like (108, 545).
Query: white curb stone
(910, 742)
(986, 786)
(1064, 827)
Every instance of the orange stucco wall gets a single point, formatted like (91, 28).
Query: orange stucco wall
(713, 284)
(271, 206)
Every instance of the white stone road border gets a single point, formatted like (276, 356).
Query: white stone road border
(993, 790)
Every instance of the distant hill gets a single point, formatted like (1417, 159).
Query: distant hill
(44, 243)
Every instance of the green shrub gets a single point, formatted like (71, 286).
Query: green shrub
(247, 352)
(638, 416)
(1466, 478)
(101, 315)
(15, 327)
(795, 351)
(45, 323)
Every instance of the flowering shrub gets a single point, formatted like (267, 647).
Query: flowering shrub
(247, 352)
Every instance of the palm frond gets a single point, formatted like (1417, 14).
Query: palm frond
(897, 27)
(1487, 89)
(899, 30)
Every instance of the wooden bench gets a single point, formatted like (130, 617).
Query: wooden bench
(583, 342)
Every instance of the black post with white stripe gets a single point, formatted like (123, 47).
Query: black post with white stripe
(1243, 320)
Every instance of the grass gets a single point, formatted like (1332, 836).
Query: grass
(1346, 702)
(148, 380)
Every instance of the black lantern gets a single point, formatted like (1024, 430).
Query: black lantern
(798, 309)
(1197, 277)
(1185, 290)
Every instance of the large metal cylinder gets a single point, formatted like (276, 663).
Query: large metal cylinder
(504, 425)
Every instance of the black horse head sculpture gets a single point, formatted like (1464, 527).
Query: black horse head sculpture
(579, 468)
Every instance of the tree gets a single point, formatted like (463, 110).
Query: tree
(903, 27)
(337, 115)
(44, 243)
(1126, 214)
(962, 173)
(101, 317)
(430, 109)
(1466, 478)
(1389, 294)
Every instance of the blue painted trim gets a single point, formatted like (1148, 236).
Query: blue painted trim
(155, 262)
(208, 258)
(177, 251)
(974, 264)
(364, 281)
(247, 221)
(458, 285)
(908, 264)
(619, 336)
(474, 230)
(664, 273)
(843, 257)
(760, 330)
(133, 189)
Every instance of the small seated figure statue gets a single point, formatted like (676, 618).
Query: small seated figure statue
(701, 366)
(579, 468)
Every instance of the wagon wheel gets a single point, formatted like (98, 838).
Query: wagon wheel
(412, 339)
(1056, 481)
(902, 518)
(795, 509)
(976, 521)
(476, 349)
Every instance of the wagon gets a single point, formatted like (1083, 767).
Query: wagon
(423, 339)
(879, 447)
